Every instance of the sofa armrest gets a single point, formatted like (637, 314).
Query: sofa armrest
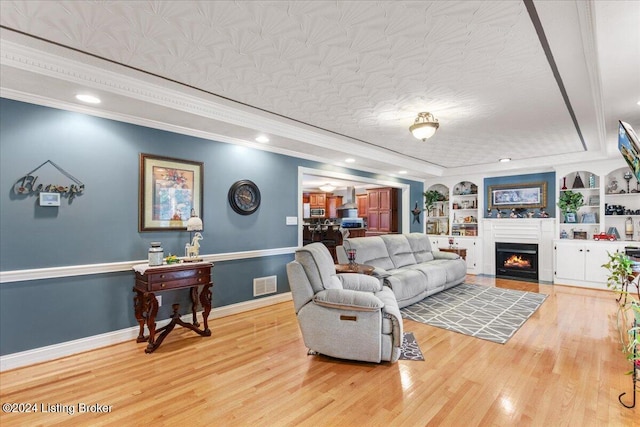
(346, 299)
(445, 255)
(380, 273)
(360, 282)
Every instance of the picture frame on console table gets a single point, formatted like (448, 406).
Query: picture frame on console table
(168, 189)
(511, 196)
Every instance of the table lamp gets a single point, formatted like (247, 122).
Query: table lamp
(194, 226)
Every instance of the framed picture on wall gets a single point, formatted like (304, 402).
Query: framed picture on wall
(510, 196)
(168, 190)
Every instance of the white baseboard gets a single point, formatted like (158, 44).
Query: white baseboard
(68, 348)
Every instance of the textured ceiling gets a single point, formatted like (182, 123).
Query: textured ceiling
(357, 73)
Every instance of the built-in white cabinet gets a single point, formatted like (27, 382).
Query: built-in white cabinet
(579, 262)
(471, 245)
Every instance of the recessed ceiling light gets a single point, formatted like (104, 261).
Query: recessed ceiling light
(89, 99)
(505, 159)
(262, 139)
(402, 172)
(349, 160)
(638, 102)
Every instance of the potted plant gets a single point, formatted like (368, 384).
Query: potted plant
(431, 197)
(570, 201)
(628, 320)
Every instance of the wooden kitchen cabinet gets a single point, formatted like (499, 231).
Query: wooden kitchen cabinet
(318, 200)
(333, 203)
(363, 202)
(382, 210)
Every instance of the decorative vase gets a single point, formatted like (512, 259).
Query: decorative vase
(564, 183)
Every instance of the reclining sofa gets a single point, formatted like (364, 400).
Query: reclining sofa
(407, 264)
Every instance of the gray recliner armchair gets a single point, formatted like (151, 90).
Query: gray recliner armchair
(348, 316)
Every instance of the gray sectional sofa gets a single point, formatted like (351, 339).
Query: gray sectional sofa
(407, 264)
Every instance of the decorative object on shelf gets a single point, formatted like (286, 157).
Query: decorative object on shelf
(172, 259)
(416, 213)
(594, 200)
(592, 181)
(563, 234)
(169, 189)
(614, 231)
(508, 196)
(580, 235)
(577, 182)
(604, 236)
(451, 242)
(543, 213)
(156, 254)
(244, 197)
(570, 217)
(589, 218)
(627, 177)
(613, 186)
(628, 228)
(570, 201)
(28, 184)
(564, 183)
(424, 127)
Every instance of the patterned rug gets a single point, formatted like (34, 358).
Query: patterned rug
(410, 350)
(492, 314)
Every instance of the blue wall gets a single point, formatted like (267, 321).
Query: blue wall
(548, 177)
(101, 225)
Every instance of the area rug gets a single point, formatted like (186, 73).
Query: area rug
(410, 350)
(492, 314)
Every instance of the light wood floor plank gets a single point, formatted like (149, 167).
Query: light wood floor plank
(563, 367)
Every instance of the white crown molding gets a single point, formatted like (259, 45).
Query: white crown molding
(87, 269)
(68, 348)
(178, 97)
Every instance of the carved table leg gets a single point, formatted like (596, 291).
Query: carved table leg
(194, 304)
(139, 309)
(152, 310)
(205, 300)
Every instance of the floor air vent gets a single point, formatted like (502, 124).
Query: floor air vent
(265, 285)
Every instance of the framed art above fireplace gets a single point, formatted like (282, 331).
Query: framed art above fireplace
(513, 196)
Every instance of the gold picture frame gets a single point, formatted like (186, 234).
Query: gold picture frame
(509, 196)
(169, 188)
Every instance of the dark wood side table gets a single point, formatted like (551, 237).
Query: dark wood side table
(358, 268)
(460, 251)
(170, 277)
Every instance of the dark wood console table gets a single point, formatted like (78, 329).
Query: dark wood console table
(164, 278)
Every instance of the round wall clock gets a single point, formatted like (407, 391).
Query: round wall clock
(244, 197)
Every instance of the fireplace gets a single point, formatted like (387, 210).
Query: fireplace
(517, 261)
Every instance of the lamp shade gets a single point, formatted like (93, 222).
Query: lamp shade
(425, 126)
(194, 223)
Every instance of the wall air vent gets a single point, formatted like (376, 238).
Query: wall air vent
(265, 285)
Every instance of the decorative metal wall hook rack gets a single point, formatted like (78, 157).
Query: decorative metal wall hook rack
(28, 184)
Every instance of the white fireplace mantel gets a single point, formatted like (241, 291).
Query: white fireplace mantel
(520, 230)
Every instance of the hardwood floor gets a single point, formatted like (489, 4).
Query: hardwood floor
(563, 367)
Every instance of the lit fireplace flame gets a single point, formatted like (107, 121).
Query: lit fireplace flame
(516, 261)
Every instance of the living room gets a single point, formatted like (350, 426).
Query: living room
(66, 277)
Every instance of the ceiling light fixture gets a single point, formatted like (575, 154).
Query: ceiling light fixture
(327, 188)
(262, 139)
(89, 99)
(349, 160)
(505, 159)
(425, 126)
(402, 172)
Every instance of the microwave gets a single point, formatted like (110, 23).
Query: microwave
(317, 213)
